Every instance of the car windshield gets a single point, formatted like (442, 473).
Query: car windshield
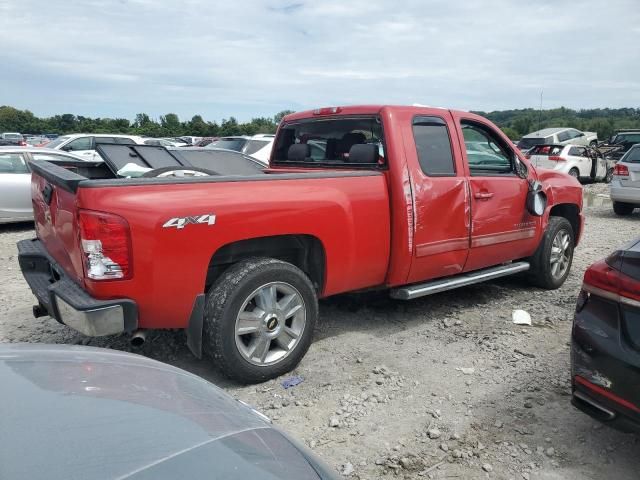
(57, 141)
(253, 146)
(632, 156)
(527, 143)
(230, 143)
(330, 140)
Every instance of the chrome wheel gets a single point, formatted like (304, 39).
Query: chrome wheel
(560, 254)
(270, 323)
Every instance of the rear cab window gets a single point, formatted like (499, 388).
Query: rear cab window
(330, 142)
(433, 146)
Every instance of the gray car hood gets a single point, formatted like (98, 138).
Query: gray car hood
(87, 413)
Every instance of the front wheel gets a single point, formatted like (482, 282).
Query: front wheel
(259, 319)
(551, 263)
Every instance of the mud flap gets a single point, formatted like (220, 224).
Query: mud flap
(194, 329)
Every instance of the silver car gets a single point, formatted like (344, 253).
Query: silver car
(15, 179)
(625, 186)
(94, 414)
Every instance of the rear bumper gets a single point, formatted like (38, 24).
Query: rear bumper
(619, 193)
(66, 301)
(605, 367)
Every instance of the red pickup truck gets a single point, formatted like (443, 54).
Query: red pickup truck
(412, 200)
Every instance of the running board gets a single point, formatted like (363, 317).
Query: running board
(462, 280)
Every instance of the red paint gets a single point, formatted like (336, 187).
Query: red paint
(606, 393)
(399, 227)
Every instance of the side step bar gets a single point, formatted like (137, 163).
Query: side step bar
(436, 286)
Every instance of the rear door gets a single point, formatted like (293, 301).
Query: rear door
(577, 156)
(501, 228)
(15, 188)
(440, 195)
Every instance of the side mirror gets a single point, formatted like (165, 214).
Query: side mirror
(536, 199)
(66, 148)
(581, 134)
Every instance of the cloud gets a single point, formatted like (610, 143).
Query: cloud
(254, 58)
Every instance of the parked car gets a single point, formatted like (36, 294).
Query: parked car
(605, 340)
(84, 144)
(558, 136)
(162, 142)
(625, 185)
(36, 140)
(574, 160)
(15, 179)
(230, 143)
(620, 143)
(190, 140)
(206, 141)
(120, 415)
(12, 139)
(259, 147)
(262, 248)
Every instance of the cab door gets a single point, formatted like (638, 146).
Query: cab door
(501, 227)
(82, 147)
(440, 196)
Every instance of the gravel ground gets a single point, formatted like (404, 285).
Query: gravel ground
(440, 387)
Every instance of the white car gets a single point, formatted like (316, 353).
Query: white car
(571, 159)
(84, 144)
(557, 136)
(259, 147)
(625, 186)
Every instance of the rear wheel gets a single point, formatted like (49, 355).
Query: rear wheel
(574, 173)
(551, 263)
(593, 143)
(622, 209)
(259, 319)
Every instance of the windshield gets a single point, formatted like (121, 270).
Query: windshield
(253, 146)
(330, 140)
(58, 141)
(229, 143)
(527, 143)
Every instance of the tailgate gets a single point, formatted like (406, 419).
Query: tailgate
(53, 194)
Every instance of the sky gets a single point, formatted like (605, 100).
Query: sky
(116, 58)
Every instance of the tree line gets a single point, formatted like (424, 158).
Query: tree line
(515, 123)
(169, 125)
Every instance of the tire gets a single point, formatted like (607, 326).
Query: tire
(247, 287)
(543, 273)
(593, 143)
(166, 171)
(574, 173)
(623, 209)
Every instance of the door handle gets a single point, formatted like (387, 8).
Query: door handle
(483, 195)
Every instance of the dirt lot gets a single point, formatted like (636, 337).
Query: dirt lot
(441, 387)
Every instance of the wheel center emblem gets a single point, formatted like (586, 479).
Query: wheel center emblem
(272, 323)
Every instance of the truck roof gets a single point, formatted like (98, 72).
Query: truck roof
(360, 110)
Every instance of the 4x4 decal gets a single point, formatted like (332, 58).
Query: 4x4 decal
(181, 222)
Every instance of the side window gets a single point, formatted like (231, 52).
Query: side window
(101, 140)
(486, 152)
(574, 151)
(574, 133)
(563, 136)
(433, 146)
(12, 163)
(82, 143)
(124, 141)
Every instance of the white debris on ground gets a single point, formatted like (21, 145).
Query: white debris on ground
(445, 386)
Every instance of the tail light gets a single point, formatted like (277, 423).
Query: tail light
(605, 279)
(327, 111)
(106, 245)
(23, 143)
(555, 158)
(620, 170)
(527, 156)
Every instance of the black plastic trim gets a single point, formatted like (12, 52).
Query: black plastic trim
(58, 176)
(47, 280)
(194, 329)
